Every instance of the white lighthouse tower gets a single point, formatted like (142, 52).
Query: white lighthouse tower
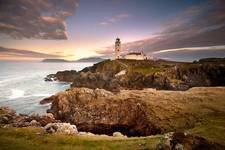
(117, 48)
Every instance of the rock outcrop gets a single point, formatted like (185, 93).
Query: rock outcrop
(136, 112)
(66, 76)
(99, 111)
(182, 141)
(132, 74)
(9, 118)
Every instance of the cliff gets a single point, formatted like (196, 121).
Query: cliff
(121, 74)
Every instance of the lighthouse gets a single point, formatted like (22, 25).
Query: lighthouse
(117, 48)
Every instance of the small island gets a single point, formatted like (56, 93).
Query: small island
(54, 60)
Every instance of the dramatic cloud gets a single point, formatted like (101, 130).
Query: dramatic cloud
(197, 26)
(36, 19)
(191, 49)
(7, 53)
(114, 19)
(191, 53)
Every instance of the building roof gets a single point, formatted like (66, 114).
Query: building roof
(134, 53)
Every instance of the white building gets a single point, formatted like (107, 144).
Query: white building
(136, 56)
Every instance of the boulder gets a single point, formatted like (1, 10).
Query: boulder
(4, 120)
(86, 133)
(64, 128)
(118, 134)
(7, 115)
(34, 123)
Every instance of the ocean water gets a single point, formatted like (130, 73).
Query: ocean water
(22, 84)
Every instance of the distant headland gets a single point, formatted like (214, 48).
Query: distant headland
(89, 59)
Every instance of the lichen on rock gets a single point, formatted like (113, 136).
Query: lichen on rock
(64, 128)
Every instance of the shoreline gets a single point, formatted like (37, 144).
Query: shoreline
(198, 132)
(122, 98)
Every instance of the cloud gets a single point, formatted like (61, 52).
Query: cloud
(191, 49)
(38, 19)
(8, 53)
(191, 53)
(201, 25)
(114, 19)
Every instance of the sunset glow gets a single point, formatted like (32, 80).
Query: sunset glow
(89, 28)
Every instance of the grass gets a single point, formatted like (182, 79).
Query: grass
(2, 112)
(212, 128)
(145, 70)
(35, 139)
(140, 66)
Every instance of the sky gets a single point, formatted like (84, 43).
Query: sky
(72, 29)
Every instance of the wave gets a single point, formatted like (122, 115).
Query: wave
(9, 80)
(16, 93)
(38, 95)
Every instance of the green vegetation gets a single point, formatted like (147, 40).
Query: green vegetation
(36, 139)
(145, 70)
(212, 128)
(2, 112)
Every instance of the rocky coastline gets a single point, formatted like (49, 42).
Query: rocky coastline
(127, 98)
(42, 126)
(116, 75)
(113, 96)
(136, 112)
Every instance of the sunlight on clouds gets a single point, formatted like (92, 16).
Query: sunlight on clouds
(191, 49)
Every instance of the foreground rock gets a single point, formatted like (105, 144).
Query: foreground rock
(182, 141)
(132, 74)
(137, 112)
(64, 128)
(9, 118)
(67, 76)
(98, 112)
(118, 134)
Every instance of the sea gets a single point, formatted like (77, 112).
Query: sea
(22, 84)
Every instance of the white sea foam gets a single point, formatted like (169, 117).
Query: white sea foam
(22, 84)
(9, 80)
(16, 93)
(38, 95)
